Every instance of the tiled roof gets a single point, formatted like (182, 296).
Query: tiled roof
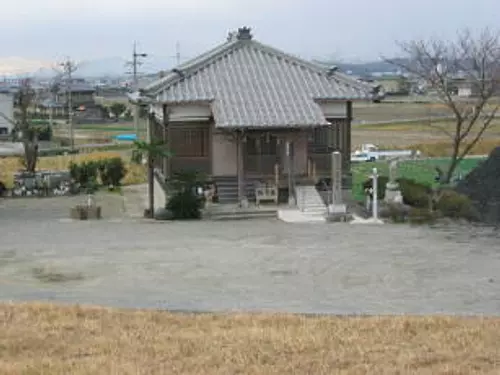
(78, 87)
(250, 84)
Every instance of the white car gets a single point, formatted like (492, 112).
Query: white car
(363, 157)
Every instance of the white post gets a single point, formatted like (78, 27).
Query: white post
(336, 175)
(291, 199)
(375, 194)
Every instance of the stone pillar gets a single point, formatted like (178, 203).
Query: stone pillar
(347, 148)
(289, 157)
(166, 140)
(242, 200)
(337, 205)
(375, 194)
(392, 191)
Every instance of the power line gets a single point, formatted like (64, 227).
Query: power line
(135, 63)
(69, 68)
(178, 53)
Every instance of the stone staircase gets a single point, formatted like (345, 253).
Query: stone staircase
(227, 188)
(310, 207)
(309, 200)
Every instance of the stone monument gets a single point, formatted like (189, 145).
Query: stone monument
(337, 206)
(392, 191)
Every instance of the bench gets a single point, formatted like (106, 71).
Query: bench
(266, 192)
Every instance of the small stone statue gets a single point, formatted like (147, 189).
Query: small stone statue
(393, 165)
(90, 200)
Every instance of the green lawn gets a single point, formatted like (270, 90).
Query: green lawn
(418, 170)
(107, 127)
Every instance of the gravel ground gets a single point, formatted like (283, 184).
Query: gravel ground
(249, 265)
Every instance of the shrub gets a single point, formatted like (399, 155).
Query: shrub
(456, 206)
(381, 186)
(85, 175)
(415, 194)
(185, 202)
(185, 205)
(419, 215)
(397, 213)
(3, 189)
(137, 156)
(45, 133)
(112, 171)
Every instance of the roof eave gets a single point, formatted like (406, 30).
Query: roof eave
(271, 127)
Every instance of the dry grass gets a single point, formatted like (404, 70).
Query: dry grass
(10, 165)
(77, 340)
(429, 126)
(389, 111)
(431, 141)
(439, 149)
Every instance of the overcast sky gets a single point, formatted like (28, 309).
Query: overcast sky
(346, 30)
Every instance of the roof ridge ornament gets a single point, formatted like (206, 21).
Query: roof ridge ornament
(332, 70)
(244, 33)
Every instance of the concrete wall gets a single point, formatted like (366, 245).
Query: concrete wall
(334, 109)
(184, 112)
(7, 109)
(300, 159)
(224, 154)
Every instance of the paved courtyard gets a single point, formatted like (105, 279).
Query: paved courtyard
(251, 265)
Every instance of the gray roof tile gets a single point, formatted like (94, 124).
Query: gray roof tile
(250, 84)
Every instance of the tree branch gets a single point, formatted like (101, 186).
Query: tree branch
(475, 60)
(484, 127)
(6, 118)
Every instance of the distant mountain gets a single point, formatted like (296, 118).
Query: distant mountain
(16, 66)
(114, 67)
(367, 68)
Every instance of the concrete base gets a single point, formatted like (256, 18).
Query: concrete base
(337, 209)
(393, 196)
(244, 202)
(297, 216)
(160, 198)
(86, 213)
(371, 220)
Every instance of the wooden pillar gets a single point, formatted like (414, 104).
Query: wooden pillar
(151, 191)
(241, 177)
(347, 147)
(166, 139)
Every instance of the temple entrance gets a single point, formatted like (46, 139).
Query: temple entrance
(261, 154)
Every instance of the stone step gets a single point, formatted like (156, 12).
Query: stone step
(314, 212)
(243, 215)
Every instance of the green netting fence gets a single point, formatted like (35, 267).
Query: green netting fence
(422, 170)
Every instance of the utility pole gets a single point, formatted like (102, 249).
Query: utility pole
(178, 53)
(69, 68)
(135, 63)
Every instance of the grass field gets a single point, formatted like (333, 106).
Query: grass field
(112, 127)
(419, 170)
(421, 135)
(10, 165)
(49, 339)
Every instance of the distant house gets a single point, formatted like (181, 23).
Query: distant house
(82, 94)
(394, 84)
(246, 112)
(464, 88)
(6, 112)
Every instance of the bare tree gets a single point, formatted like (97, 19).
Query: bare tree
(476, 59)
(23, 127)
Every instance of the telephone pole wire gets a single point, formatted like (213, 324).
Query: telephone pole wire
(136, 56)
(69, 68)
(178, 53)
